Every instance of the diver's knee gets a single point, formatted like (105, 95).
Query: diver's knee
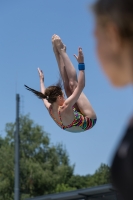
(72, 85)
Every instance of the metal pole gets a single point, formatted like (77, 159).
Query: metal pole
(16, 139)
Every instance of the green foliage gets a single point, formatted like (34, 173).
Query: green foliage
(100, 177)
(44, 168)
(63, 188)
(6, 171)
(78, 181)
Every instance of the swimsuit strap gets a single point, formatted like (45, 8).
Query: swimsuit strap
(60, 118)
(70, 125)
(74, 109)
(59, 115)
(76, 116)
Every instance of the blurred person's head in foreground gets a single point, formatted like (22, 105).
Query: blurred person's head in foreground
(114, 37)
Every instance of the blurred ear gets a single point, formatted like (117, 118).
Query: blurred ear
(114, 37)
(59, 97)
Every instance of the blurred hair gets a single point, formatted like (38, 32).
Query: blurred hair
(51, 92)
(119, 12)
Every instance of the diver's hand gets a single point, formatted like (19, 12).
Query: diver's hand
(80, 57)
(41, 74)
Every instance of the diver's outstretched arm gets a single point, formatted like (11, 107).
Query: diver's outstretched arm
(42, 87)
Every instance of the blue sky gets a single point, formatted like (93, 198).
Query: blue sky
(25, 44)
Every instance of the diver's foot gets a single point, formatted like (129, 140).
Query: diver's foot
(58, 43)
(53, 44)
